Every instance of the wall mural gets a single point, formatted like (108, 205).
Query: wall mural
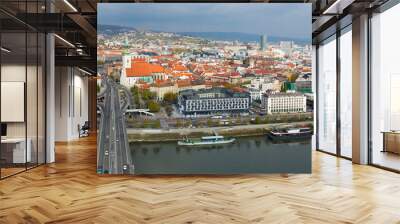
(204, 88)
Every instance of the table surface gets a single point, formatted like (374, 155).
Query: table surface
(390, 132)
(13, 140)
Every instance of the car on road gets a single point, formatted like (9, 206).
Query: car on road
(106, 153)
(125, 167)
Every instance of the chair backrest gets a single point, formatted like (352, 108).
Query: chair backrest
(86, 125)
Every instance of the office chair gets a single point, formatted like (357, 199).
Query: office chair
(84, 130)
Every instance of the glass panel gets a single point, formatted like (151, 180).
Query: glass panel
(327, 96)
(23, 82)
(346, 93)
(31, 97)
(41, 98)
(32, 88)
(13, 87)
(385, 84)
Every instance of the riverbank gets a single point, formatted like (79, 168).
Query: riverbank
(157, 135)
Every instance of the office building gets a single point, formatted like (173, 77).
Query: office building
(289, 86)
(304, 84)
(263, 42)
(212, 101)
(284, 102)
(255, 94)
(286, 47)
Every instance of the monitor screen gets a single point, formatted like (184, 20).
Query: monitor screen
(3, 129)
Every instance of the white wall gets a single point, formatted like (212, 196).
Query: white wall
(33, 125)
(10, 73)
(61, 103)
(71, 102)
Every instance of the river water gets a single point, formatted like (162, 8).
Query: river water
(255, 154)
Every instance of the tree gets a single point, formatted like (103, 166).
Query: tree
(156, 124)
(245, 83)
(168, 110)
(292, 77)
(179, 123)
(153, 106)
(98, 88)
(228, 85)
(283, 87)
(137, 100)
(265, 120)
(147, 95)
(170, 97)
(134, 90)
(257, 120)
(209, 122)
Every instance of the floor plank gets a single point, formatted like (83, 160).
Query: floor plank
(70, 191)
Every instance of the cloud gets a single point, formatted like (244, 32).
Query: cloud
(286, 20)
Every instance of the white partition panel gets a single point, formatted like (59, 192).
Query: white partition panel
(12, 101)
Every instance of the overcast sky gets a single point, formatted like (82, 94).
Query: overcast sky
(284, 20)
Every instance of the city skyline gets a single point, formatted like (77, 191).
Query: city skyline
(207, 87)
(211, 18)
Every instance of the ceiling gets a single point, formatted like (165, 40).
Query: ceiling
(332, 15)
(75, 21)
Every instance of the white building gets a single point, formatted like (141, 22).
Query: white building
(137, 68)
(265, 84)
(255, 94)
(211, 101)
(287, 47)
(284, 102)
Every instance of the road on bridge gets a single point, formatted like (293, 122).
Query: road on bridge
(113, 152)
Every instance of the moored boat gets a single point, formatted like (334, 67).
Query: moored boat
(290, 133)
(206, 140)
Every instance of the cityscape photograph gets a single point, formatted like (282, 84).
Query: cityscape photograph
(204, 88)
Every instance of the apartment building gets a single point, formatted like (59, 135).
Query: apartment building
(284, 102)
(211, 101)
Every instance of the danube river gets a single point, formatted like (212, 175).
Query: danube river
(255, 154)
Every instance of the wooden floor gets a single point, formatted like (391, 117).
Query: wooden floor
(387, 159)
(69, 191)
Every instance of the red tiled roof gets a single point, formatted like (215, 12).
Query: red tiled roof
(238, 89)
(109, 52)
(141, 68)
(263, 71)
(183, 83)
(235, 74)
(182, 74)
(135, 60)
(162, 83)
(291, 65)
(178, 67)
(143, 85)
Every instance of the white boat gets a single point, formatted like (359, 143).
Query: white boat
(290, 133)
(206, 140)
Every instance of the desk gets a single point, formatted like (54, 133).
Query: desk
(391, 141)
(13, 150)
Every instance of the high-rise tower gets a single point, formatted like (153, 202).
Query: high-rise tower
(263, 42)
